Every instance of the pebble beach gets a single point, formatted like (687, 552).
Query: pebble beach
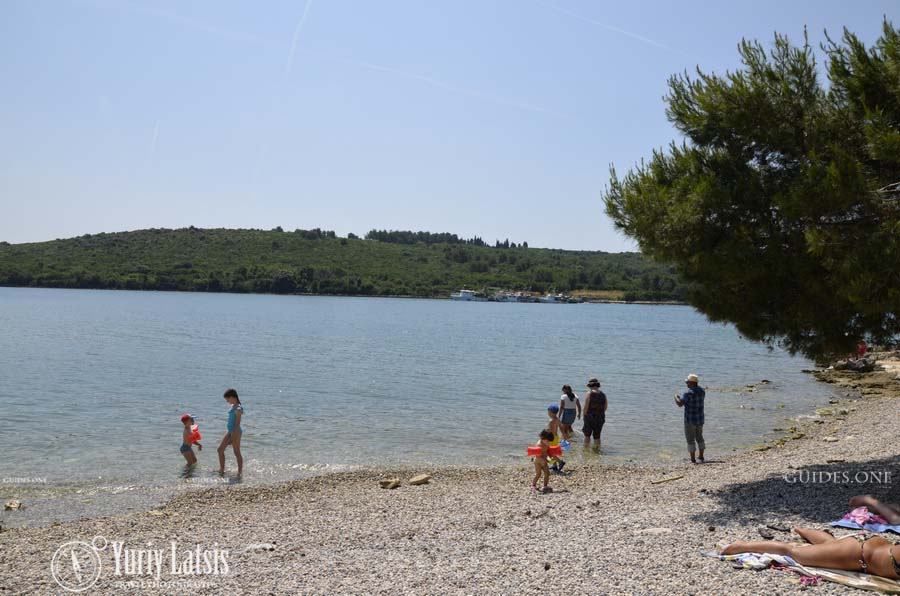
(604, 529)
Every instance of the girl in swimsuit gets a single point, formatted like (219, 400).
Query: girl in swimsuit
(570, 406)
(854, 552)
(233, 432)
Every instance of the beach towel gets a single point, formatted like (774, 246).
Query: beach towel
(854, 579)
(863, 519)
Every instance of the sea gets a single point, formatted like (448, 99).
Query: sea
(93, 385)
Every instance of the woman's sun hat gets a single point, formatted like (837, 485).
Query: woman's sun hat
(593, 382)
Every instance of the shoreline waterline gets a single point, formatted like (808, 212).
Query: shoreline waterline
(482, 530)
(360, 382)
(50, 503)
(322, 295)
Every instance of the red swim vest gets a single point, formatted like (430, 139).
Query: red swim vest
(535, 451)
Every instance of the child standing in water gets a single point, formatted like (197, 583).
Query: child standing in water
(189, 436)
(553, 427)
(540, 461)
(233, 432)
(571, 409)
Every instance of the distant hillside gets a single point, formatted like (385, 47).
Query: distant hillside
(319, 262)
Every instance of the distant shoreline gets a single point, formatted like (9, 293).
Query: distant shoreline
(404, 296)
(319, 262)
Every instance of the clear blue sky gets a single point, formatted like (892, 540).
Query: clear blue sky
(496, 118)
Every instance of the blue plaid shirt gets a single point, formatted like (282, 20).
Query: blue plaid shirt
(693, 405)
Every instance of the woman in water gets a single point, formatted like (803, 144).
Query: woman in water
(853, 552)
(570, 406)
(594, 411)
(233, 433)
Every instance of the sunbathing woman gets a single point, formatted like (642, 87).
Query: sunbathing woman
(853, 552)
(888, 511)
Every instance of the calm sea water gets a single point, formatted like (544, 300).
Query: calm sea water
(93, 383)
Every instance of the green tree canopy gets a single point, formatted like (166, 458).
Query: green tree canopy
(777, 207)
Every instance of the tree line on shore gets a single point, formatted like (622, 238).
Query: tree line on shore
(317, 261)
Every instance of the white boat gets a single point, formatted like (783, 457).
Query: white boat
(467, 296)
(553, 299)
(507, 297)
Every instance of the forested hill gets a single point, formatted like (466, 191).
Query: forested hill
(319, 262)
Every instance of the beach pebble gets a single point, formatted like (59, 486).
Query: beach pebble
(830, 439)
(391, 484)
(259, 546)
(655, 531)
(13, 505)
(420, 479)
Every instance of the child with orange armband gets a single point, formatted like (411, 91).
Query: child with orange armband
(540, 461)
(190, 436)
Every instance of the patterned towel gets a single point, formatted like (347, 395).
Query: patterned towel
(863, 581)
(863, 519)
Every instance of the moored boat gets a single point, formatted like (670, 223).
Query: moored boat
(468, 296)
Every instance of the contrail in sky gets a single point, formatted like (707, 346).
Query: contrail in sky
(151, 152)
(450, 87)
(608, 27)
(301, 23)
(153, 140)
(263, 148)
(184, 21)
(290, 60)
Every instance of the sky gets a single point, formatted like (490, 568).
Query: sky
(490, 118)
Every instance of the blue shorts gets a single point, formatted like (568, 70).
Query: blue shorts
(185, 448)
(568, 416)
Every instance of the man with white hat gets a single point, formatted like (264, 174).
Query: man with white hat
(692, 402)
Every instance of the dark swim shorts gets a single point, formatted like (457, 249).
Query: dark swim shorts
(593, 426)
(185, 448)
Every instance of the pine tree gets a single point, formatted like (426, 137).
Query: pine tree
(778, 207)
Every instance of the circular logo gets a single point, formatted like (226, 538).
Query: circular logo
(75, 566)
